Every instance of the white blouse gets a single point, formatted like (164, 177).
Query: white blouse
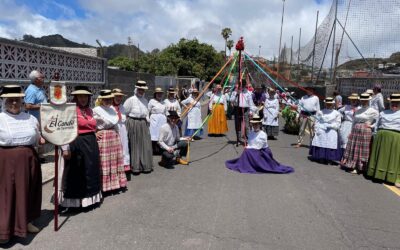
(377, 102)
(18, 130)
(389, 120)
(106, 117)
(257, 140)
(214, 99)
(366, 115)
(173, 104)
(136, 107)
(156, 107)
(348, 112)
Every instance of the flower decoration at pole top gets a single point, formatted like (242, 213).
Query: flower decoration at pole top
(240, 44)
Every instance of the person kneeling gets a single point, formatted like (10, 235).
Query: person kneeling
(170, 143)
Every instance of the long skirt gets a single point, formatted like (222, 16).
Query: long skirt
(271, 130)
(139, 145)
(358, 147)
(79, 178)
(20, 190)
(217, 123)
(123, 135)
(156, 121)
(327, 154)
(190, 132)
(257, 161)
(384, 163)
(111, 161)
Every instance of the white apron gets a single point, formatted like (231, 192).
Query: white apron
(326, 126)
(194, 115)
(156, 121)
(271, 112)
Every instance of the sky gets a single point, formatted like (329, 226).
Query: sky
(158, 23)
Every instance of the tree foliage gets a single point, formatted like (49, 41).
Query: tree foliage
(186, 58)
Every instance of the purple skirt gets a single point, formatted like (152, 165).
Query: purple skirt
(318, 153)
(254, 161)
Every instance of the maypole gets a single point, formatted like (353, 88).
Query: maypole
(240, 47)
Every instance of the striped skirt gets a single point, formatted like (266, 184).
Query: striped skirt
(217, 123)
(111, 161)
(358, 147)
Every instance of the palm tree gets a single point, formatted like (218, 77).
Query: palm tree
(226, 33)
(229, 44)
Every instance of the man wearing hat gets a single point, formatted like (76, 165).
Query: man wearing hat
(171, 103)
(170, 143)
(136, 108)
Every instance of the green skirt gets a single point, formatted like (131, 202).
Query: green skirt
(384, 163)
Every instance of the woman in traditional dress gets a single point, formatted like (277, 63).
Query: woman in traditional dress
(194, 121)
(271, 115)
(257, 157)
(325, 147)
(172, 103)
(138, 131)
(384, 163)
(79, 178)
(347, 113)
(158, 117)
(123, 134)
(111, 155)
(20, 173)
(355, 157)
(217, 125)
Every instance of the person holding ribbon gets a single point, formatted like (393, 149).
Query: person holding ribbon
(194, 121)
(217, 125)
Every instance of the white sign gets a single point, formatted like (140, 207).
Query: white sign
(59, 123)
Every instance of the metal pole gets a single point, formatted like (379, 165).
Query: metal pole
(259, 50)
(291, 57)
(298, 57)
(280, 40)
(334, 39)
(315, 42)
(56, 189)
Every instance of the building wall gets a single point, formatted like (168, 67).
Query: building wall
(125, 80)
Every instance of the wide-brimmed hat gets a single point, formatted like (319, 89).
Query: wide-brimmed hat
(194, 90)
(365, 97)
(329, 100)
(158, 90)
(171, 90)
(105, 93)
(353, 96)
(81, 90)
(369, 91)
(141, 85)
(395, 97)
(218, 86)
(172, 113)
(270, 89)
(117, 92)
(256, 119)
(12, 91)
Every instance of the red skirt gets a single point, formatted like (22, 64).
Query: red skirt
(358, 147)
(20, 190)
(111, 161)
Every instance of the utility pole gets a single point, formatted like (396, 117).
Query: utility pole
(280, 39)
(298, 57)
(259, 50)
(130, 52)
(315, 42)
(334, 40)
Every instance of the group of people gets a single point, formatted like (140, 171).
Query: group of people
(114, 141)
(361, 136)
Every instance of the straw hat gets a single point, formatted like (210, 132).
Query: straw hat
(171, 90)
(354, 96)
(270, 89)
(105, 93)
(194, 90)
(172, 113)
(158, 90)
(256, 119)
(117, 92)
(365, 97)
(12, 91)
(141, 85)
(81, 90)
(329, 100)
(369, 91)
(395, 97)
(218, 86)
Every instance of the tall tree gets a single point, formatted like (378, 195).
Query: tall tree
(229, 44)
(226, 33)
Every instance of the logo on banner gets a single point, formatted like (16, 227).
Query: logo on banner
(58, 93)
(59, 123)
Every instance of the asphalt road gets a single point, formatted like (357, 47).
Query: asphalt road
(206, 206)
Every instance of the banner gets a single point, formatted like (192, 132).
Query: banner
(59, 123)
(58, 93)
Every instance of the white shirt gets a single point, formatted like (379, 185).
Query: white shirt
(169, 136)
(18, 130)
(366, 115)
(173, 104)
(218, 98)
(377, 102)
(389, 120)
(136, 107)
(244, 100)
(271, 112)
(309, 103)
(156, 107)
(327, 123)
(257, 140)
(348, 112)
(106, 117)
